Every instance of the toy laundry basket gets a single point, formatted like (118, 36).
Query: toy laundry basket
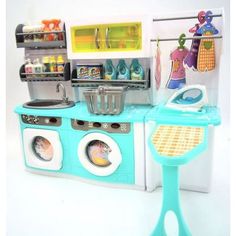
(106, 100)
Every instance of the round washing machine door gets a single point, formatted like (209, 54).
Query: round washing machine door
(99, 154)
(42, 149)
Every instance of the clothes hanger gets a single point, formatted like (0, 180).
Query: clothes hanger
(181, 41)
(201, 19)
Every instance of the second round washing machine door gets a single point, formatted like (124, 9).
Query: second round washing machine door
(99, 154)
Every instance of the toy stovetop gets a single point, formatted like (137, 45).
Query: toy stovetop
(131, 113)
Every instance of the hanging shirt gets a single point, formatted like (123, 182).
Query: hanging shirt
(177, 57)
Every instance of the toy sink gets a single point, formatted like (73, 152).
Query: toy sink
(48, 104)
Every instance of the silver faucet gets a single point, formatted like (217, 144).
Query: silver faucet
(65, 99)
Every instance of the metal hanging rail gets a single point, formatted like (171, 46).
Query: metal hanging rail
(183, 18)
(188, 38)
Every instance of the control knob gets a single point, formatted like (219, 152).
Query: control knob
(29, 119)
(24, 117)
(35, 119)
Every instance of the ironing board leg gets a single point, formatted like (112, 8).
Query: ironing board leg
(170, 202)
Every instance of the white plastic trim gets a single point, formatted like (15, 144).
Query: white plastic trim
(32, 160)
(139, 154)
(85, 180)
(114, 157)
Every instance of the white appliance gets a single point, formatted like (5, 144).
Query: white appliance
(114, 160)
(43, 149)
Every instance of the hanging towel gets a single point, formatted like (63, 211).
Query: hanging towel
(158, 68)
(206, 53)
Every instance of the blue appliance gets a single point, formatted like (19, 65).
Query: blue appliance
(105, 149)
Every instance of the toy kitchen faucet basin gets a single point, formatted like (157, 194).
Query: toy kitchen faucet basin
(51, 103)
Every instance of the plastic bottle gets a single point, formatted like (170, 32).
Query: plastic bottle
(60, 64)
(28, 66)
(46, 28)
(28, 37)
(37, 66)
(46, 64)
(123, 72)
(53, 64)
(136, 70)
(110, 71)
(56, 27)
(38, 37)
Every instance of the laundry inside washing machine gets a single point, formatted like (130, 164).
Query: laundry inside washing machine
(42, 148)
(98, 153)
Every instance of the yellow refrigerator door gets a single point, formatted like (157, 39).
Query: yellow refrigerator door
(123, 37)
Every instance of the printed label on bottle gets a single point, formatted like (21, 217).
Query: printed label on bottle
(60, 67)
(53, 67)
(37, 69)
(28, 69)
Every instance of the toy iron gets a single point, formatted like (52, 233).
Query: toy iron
(189, 98)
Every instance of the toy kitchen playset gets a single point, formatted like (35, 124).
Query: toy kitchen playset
(133, 94)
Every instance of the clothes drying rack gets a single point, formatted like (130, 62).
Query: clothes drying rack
(185, 38)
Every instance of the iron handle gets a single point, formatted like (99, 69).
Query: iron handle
(107, 38)
(96, 38)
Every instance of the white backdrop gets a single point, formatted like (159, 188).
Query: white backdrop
(22, 209)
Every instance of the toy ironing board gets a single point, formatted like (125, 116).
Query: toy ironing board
(206, 54)
(172, 146)
(177, 139)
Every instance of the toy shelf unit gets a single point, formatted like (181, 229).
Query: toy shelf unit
(129, 83)
(46, 73)
(137, 90)
(46, 76)
(108, 38)
(36, 39)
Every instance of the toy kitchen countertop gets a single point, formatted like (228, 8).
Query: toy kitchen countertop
(79, 111)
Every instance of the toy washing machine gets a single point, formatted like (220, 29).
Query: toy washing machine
(42, 135)
(108, 149)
